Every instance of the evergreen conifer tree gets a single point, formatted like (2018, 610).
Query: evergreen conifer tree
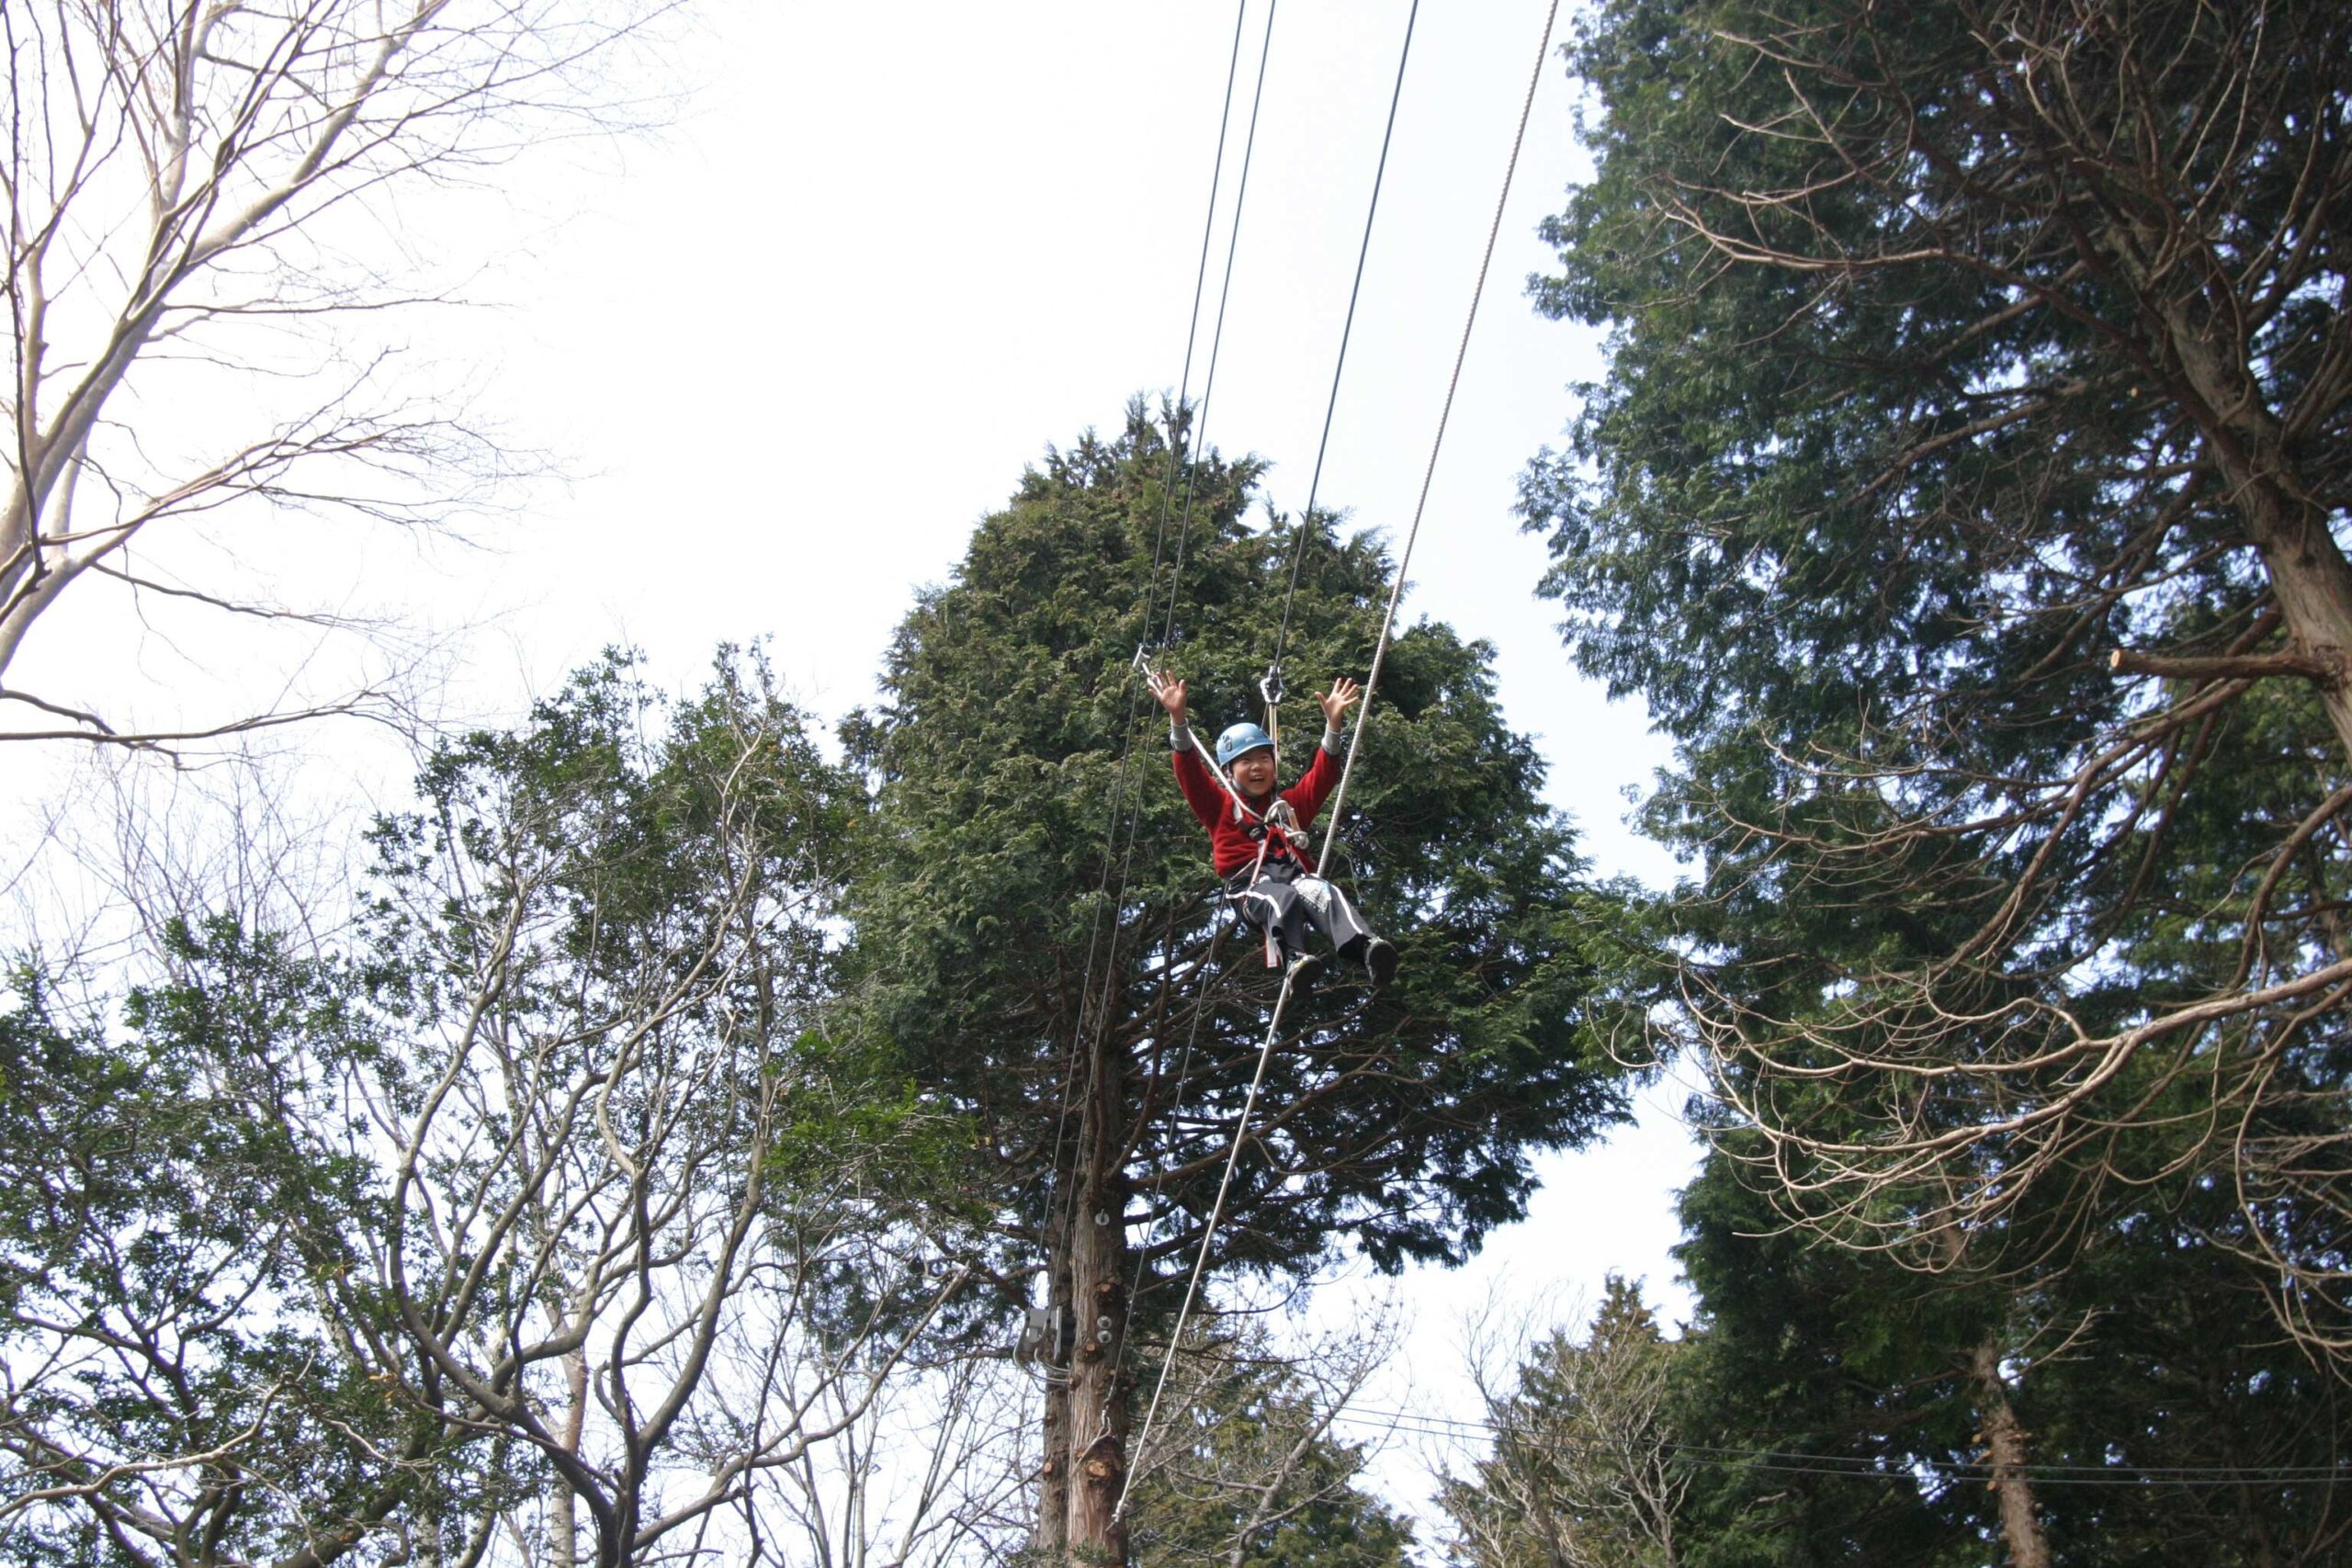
(1037, 931)
(1967, 498)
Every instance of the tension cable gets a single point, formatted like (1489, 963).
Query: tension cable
(1364, 720)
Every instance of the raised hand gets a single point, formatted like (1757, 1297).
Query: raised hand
(1169, 690)
(1335, 702)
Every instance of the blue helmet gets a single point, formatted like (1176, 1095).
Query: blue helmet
(1239, 740)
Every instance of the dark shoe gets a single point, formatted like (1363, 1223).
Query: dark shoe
(1304, 970)
(1380, 957)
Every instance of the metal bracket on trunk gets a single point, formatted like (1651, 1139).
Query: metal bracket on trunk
(1046, 1337)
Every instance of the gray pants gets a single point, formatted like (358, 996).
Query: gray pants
(1287, 901)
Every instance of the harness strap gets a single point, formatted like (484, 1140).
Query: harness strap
(1279, 817)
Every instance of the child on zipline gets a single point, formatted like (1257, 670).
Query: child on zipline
(1258, 839)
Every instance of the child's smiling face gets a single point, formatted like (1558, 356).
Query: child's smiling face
(1253, 771)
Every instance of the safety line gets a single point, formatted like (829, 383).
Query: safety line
(1457, 1429)
(1194, 430)
(1388, 621)
(1179, 451)
(1461, 352)
(1201, 1009)
(1196, 434)
(1194, 440)
(1104, 898)
(1200, 1263)
(1315, 482)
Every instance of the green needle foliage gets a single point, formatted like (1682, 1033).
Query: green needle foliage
(1584, 1469)
(1966, 496)
(2159, 1430)
(1823, 1407)
(1035, 897)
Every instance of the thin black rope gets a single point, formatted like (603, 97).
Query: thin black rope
(1104, 896)
(1347, 329)
(1202, 1006)
(1437, 443)
(1180, 451)
(1421, 1424)
(1196, 434)
(1180, 448)
(1193, 440)
(1273, 1027)
(1176, 580)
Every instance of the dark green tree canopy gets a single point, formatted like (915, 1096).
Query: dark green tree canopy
(992, 931)
(1967, 498)
(1827, 1398)
(167, 1221)
(1827, 1406)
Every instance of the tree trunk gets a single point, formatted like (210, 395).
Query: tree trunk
(563, 1508)
(2310, 577)
(2004, 1450)
(1053, 1477)
(1087, 1417)
(1096, 1443)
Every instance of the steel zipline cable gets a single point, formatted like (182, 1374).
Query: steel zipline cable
(1339, 362)
(1784, 1462)
(1109, 898)
(1196, 429)
(1387, 628)
(1437, 443)
(1106, 899)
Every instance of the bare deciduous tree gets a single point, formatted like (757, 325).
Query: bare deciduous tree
(938, 1469)
(537, 1227)
(197, 226)
(641, 1222)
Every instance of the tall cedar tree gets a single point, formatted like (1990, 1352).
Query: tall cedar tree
(1966, 498)
(1062, 974)
(1825, 1406)
(1833, 1406)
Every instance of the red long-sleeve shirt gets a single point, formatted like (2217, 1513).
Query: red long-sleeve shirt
(1231, 845)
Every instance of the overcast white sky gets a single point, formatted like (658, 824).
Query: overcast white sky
(793, 347)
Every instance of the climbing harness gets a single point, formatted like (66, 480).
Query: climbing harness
(1277, 825)
(1363, 719)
